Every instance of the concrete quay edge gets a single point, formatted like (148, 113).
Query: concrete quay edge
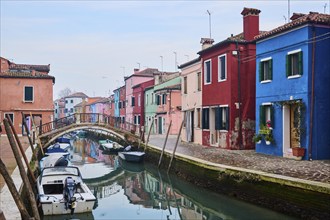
(265, 176)
(7, 203)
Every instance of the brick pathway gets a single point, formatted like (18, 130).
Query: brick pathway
(317, 170)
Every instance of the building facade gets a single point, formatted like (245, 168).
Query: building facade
(72, 100)
(136, 78)
(228, 97)
(292, 87)
(191, 93)
(26, 93)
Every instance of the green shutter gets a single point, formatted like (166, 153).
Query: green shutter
(272, 116)
(218, 118)
(262, 115)
(227, 118)
(270, 69)
(300, 62)
(260, 72)
(287, 65)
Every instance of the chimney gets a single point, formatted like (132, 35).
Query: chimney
(250, 23)
(33, 72)
(206, 42)
(296, 16)
(136, 70)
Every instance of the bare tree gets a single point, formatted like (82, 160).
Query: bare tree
(64, 92)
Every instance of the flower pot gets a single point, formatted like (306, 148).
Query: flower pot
(268, 142)
(298, 151)
(258, 142)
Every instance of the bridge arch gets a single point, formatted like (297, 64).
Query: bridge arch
(81, 127)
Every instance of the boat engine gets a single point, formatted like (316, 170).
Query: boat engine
(69, 191)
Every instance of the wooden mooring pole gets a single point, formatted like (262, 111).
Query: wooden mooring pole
(11, 186)
(161, 155)
(22, 150)
(20, 165)
(28, 135)
(36, 133)
(176, 144)
(151, 126)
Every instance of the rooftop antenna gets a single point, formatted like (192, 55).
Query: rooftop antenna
(288, 10)
(209, 20)
(284, 19)
(139, 65)
(175, 60)
(161, 60)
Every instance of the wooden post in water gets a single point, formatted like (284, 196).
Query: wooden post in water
(28, 134)
(21, 168)
(168, 131)
(145, 146)
(13, 191)
(176, 144)
(21, 149)
(34, 128)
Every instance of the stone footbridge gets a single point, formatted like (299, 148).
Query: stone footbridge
(48, 132)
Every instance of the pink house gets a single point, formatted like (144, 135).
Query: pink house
(137, 78)
(26, 89)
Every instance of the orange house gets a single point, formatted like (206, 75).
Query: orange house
(26, 89)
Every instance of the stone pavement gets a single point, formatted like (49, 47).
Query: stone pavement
(316, 170)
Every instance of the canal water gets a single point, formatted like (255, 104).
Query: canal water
(140, 191)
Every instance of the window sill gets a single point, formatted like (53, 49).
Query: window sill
(294, 77)
(223, 131)
(27, 101)
(222, 80)
(266, 81)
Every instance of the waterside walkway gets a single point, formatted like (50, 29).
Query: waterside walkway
(313, 172)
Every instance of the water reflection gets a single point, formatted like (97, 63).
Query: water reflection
(140, 191)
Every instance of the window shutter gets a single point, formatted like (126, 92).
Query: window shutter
(260, 72)
(227, 118)
(287, 65)
(300, 62)
(262, 115)
(205, 119)
(270, 69)
(218, 118)
(272, 116)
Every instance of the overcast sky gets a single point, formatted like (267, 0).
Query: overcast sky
(91, 45)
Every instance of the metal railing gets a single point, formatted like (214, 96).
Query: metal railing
(90, 118)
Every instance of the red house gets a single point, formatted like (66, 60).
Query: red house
(138, 96)
(122, 103)
(228, 75)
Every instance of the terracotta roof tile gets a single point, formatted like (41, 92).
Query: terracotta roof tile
(29, 74)
(77, 95)
(41, 68)
(298, 20)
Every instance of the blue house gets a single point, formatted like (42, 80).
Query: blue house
(116, 100)
(293, 87)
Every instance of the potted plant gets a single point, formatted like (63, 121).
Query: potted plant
(257, 138)
(269, 138)
(298, 151)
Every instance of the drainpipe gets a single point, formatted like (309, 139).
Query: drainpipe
(239, 97)
(311, 115)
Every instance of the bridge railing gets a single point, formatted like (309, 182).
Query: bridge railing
(93, 118)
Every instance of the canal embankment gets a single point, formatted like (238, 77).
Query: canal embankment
(272, 182)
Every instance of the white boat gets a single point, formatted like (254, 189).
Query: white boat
(62, 191)
(110, 146)
(54, 159)
(131, 156)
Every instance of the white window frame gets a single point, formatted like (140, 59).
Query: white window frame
(224, 116)
(29, 101)
(9, 113)
(291, 53)
(268, 110)
(264, 60)
(205, 72)
(219, 68)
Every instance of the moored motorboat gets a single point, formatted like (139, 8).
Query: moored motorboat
(110, 147)
(131, 156)
(63, 139)
(61, 190)
(53, 160)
